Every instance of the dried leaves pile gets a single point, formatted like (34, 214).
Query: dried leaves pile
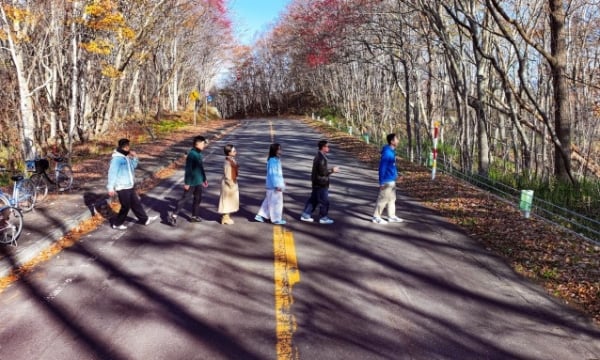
(566, 265)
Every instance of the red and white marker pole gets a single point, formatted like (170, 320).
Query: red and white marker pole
(436, 133)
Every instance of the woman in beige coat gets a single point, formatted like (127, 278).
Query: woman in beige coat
(229, 201)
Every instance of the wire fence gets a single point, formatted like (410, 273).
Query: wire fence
(567, 219)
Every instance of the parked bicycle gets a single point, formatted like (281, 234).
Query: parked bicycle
(11, 225)
(23, 193)
(61, 176)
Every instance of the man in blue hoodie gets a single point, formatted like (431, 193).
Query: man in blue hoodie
(387, 183)
(121, 180)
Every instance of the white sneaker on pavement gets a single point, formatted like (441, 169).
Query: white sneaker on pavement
(325, 220)
(395, 219)
(120, 227)
(151, 219)
(306, 218)
(378, 220)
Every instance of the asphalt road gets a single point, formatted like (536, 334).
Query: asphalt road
(352, 290)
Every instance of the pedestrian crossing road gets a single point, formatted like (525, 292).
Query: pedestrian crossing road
(420, 289)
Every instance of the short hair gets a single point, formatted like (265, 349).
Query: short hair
(227, 149)
(273, 150)
(123, 142)
(390, 137)
(322, 144)
(199, 139)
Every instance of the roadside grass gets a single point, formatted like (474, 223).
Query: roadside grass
(566, 265)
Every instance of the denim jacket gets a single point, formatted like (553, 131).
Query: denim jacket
(121, 173)
(274, 174)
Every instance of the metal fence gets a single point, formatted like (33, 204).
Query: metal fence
(567, 219)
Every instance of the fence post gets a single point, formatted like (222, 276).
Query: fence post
(525, 203)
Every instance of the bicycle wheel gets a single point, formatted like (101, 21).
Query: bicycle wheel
(41, 187)
(64, 177)
(26, 195)
(4, 200)
(11, 225)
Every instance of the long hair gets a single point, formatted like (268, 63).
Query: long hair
(227, 149)
(273, 150)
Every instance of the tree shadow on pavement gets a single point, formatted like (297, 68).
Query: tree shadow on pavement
(92, 340)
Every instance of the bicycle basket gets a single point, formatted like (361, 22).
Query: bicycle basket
(41, 165)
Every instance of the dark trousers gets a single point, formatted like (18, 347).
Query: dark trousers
(318, 197)
(130, 200)
(197, 191)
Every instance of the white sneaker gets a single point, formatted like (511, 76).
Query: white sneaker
(120, 227)
(395, 219)
(325, 220)
(378, 220)
(151, 219)
(305, 218)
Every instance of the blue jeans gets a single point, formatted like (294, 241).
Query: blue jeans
(319, 196)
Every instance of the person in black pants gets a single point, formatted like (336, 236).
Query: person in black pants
(121, 180)
(194, 180)
(320, 186)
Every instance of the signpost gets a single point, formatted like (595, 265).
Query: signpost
(436, 133)
(194, 96)
(206, 100)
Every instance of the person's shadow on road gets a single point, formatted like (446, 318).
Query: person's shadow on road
(98, 204)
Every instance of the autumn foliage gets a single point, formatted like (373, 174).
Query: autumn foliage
(322, 25)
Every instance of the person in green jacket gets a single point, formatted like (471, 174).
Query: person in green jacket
(194, 180)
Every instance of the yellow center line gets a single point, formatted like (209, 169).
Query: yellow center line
(286, 275)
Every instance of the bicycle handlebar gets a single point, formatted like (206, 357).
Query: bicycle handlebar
(55, 157)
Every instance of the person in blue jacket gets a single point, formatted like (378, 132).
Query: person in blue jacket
(388, 173)
(194, 180)
(121, 180)
(272, 205)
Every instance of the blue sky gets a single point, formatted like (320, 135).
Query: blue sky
(254, 16)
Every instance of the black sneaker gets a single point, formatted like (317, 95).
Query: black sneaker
(195, 219)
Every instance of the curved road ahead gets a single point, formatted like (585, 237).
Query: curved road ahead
(351, 290)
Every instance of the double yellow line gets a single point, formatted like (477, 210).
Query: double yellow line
(286, 275)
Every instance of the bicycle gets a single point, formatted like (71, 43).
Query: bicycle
(23, 194)
(62, 175)
(11, 225)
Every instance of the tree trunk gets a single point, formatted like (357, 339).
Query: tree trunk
(562, 122)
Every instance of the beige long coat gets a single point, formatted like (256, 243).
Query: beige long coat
(229, 201)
